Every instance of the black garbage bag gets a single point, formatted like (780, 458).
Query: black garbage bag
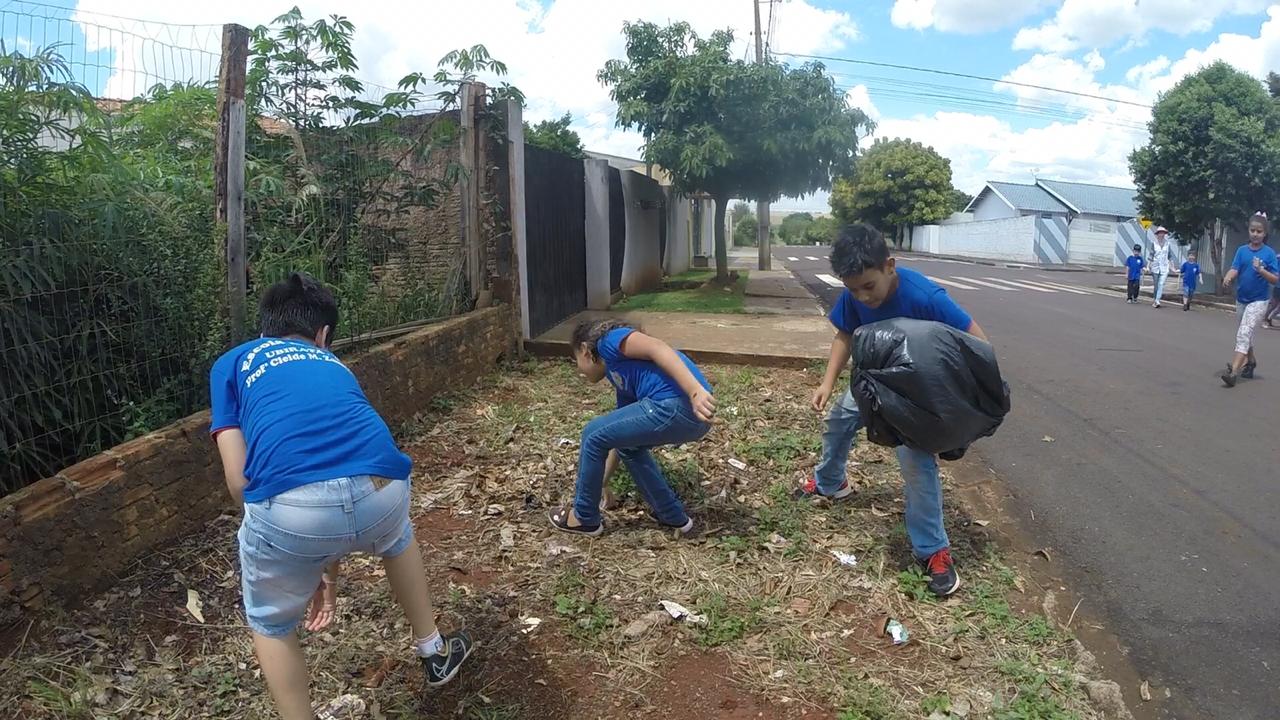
(926, 385)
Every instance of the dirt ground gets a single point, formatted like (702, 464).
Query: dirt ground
(565, 625)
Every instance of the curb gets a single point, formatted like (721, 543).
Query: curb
(560, 349)
(1000, 263)
(1151, 294)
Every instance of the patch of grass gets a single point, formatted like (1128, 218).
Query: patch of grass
(995, 617)
(588, 619)
(914, 584)
(495, 712)
(1036, 697)
(710, 298)
(784, 515)
(866, 701)
(726, 624)
(782, 448)
(935, 703)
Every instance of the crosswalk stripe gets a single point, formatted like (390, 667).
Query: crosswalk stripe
(985, 283)
(810, 257)
(1055, 286)
(960, 286)
(832, 281)
(1026, 286)
(792, 258)
(1073, 288)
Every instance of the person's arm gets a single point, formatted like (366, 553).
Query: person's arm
(976, 330)
(233, 451)
(639, 346)
(1265, 271)
(1237, 266)
(841, 349)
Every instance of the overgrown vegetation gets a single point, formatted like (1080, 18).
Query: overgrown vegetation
(110, 271)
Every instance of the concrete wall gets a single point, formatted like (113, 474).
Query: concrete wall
(1093, 240)
(1052, 239)
(73, 533)
(991, 207)
(597, 182)
(1012, 239)
(679, 230)
(642, 263)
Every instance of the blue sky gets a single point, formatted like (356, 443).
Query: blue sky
(1119, 49)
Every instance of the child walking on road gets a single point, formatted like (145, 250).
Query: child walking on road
(663, 399)
(320, 477)
(876, 289)
(1190, 271)
(1255, 266)
(1135, 264)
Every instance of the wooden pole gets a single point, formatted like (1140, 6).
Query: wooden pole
(472, 95)
(228, 170)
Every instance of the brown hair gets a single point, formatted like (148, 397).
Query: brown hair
(588, 333)
(1261, 218)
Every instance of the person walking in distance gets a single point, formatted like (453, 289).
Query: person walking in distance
(1161, 262)
(1135, 263)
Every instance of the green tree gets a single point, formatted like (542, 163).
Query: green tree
(960, 200)
(1273, 84)
(555, 135)
(1213, 158)
(740, 210)
(792, 228)
(897, 183)
(745, 232)
(822, 231)
(727, 127)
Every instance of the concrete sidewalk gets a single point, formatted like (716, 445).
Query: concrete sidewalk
(778, 292)
(747, 339)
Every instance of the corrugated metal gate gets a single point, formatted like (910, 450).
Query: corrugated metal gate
(617, 229)
(556, 237)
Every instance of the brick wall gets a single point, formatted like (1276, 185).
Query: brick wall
(74, 532)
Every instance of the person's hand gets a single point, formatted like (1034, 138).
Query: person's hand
(704, 405)
(821, 397)
(1226, 281)
(324, 606)
(1257, 263)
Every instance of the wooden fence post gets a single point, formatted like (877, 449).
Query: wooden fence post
(473, 94)
(519, 238)
(228, 172)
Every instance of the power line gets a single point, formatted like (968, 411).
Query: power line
(967, 76)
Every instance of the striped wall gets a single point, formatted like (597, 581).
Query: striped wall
(1051, 240)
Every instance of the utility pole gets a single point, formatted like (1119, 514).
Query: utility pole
(762, 206)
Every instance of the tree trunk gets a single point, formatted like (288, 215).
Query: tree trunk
(1216, 233)
(722, 250)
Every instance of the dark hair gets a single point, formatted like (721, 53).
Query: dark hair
(588, 333)
(297, 306)
(1261, 218)
(858, 248)
(1137, 248)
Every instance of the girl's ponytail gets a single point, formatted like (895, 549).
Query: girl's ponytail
(588, 333)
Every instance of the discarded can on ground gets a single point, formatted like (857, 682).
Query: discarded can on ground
(897, 631)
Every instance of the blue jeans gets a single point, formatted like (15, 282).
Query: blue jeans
(632, 431)
(286, 540)
(1160, 277)
(919, 475)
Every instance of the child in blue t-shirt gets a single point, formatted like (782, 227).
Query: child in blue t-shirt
(1135, 264)
(1255, 265)
(1190, 271)
(320, 477)
(663, 399)
(877, 289)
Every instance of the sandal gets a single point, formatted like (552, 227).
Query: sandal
(559, 518)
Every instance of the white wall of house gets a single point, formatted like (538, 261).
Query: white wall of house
(679, 250)
(991, 207)
(1012, 239)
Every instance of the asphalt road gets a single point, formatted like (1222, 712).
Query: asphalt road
(1160, 492)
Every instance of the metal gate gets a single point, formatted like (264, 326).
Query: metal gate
(617, 230)
(556, 237)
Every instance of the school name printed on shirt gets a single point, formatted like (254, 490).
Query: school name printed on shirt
(279, 352)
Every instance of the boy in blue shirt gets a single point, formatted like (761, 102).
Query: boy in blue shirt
(320, 477)
(877, 289)
(1255, 265)
(1190, 279)
(1135, 263)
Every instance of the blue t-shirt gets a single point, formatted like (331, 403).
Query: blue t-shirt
(1190, 274)
(916, 297)
(303, 415)
(1135, 264)
(1251, 286)
(639, 379)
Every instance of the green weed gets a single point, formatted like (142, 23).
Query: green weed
(913, 583)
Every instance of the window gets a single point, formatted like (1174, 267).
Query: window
(1100, 227)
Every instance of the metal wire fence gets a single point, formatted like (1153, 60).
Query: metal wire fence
(112, 279)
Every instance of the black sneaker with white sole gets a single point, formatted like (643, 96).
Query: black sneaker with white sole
(1246, 372)
(442, 666)
(686, 529)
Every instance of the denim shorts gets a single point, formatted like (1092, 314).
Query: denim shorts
(286, 540)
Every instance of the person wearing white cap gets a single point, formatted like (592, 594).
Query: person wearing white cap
(1161, 262)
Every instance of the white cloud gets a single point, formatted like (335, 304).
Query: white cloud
(553, 52)
(858, 96)
(1102, 23)
(962, 16)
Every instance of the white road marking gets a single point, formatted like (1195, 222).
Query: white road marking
(961, 286)
(1055, 286)
(830, 280)
(810, 257)
(985, 283)
(1077, 288)
(1025, 286)
(792, 258)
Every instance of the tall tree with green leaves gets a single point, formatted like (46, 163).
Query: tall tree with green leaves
(792, 228)
(740, 211)
(1213, 158)
(555, 135)
(898, 183)
(729, 128)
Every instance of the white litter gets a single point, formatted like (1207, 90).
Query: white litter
(738, 464)
(848, 559)
(530, 624)
(680, 612)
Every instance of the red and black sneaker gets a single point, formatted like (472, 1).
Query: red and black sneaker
(809, 490)
(943, 578)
